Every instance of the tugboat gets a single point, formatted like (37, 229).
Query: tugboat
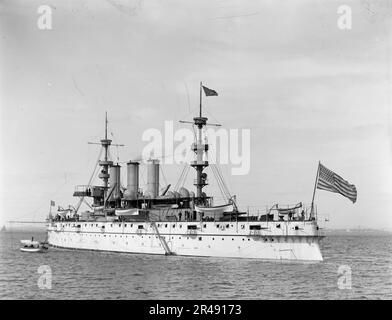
(178, 221)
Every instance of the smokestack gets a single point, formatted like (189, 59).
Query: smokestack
(132, 180)
(114, 179)
(153, 178)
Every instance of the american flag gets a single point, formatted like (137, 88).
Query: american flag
(330, 181)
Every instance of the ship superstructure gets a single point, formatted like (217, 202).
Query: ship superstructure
(179, 222)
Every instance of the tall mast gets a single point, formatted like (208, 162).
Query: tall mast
(200, 148)
(200, 98)
(104, 175)
(106, 124)
(105, 163)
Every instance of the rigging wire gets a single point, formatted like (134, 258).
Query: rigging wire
(219, 177)
(222, 180)
(179, 179)
(219, 174)
(211, 115)
(117, 145)
(34, 212)
(163, 175)
(221, 189)
(186, 175)
(89, 182)
(218, 183)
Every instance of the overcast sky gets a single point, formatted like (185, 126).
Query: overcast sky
(307, 90)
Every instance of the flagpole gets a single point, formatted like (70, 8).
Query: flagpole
(200, 97)
(314, 190)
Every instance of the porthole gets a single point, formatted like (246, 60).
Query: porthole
(200, 238)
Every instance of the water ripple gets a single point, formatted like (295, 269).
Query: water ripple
(105, 275)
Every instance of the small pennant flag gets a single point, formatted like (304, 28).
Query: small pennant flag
(52, 203)
(209, 92)
(330, 181)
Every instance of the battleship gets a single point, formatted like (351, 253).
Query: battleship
(182, 222)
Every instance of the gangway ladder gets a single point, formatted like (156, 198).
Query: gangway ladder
(165, 246)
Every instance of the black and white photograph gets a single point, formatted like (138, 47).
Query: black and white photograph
(210, 152)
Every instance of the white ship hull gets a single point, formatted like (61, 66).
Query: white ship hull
(294, 240)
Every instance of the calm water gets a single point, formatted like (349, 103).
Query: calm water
(97, 275)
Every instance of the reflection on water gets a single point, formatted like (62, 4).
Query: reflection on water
(103, 275)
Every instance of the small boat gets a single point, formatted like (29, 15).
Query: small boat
(33, 246)
(127, 212)
(217, 209)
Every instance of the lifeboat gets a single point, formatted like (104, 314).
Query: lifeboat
(127, 212)
(215, 209)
